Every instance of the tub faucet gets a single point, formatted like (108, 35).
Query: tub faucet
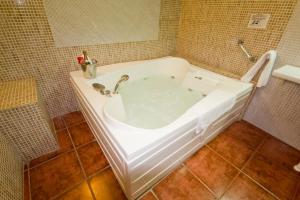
(123, 78)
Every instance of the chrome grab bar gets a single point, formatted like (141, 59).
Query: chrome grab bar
(250, 57)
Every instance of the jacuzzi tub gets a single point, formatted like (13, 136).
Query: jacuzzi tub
(141, 149)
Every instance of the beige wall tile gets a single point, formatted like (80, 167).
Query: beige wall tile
(276, 108)
(27, 50)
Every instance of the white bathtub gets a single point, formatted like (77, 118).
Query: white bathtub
(141, 156)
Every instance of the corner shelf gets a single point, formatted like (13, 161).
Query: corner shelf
(289, 73)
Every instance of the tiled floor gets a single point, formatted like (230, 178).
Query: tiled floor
(243, 162)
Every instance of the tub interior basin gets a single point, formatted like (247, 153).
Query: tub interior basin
(154, 101)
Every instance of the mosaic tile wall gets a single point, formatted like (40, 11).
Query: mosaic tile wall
(27, 50)
(276, 108)
(209, 29)
(23, 119)
(11, 172)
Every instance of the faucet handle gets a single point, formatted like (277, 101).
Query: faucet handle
(99, 87)
(107, 93)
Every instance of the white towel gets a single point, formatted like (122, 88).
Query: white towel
(212, 107)
(266, 73)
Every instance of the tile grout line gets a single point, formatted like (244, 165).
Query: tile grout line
(85, 178)
(80, 163)
(230, 184)
(260, 185)
(98, 172)
(182, 164)
(75, 124)
(152, 188)
(155, 196)
(145, 194)
(254, 153)
(29, 183)
(231, 164)
(198, 179)
(256, 182)
(82, 145)
(73, 149)
(66, 190)
(252, 179)
(242, 168)
(56, 131)
(46, 161)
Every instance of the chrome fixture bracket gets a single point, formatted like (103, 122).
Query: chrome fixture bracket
(250, 57)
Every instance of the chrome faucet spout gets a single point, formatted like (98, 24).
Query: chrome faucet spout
(123, 78)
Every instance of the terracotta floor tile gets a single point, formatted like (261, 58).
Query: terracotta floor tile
(271, 175)
(64, 140)
(65, 144)
(234, 150)
(81, 134)
(55, 176)
(81, 192)
(58, 123)
(280, 152)
(148, 196)
(182, 185)
(247, 133)
(297, 196)
(214, 171)
(43, 158)
(26, 186)
(73, 118)
(106, 187)
(92, 158)
(244, 188)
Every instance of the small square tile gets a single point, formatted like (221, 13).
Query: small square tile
(182, 185)
(73, 118)
(58, 123)
(271, 175)
(148, 196)
(80, 192)
(215, 172)
(55, 176)
(245, 188)
(26, 186)
(234, 150)
(92, 158)
(65, 144)
(280, 152)
(105, 186)
(81, 134)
